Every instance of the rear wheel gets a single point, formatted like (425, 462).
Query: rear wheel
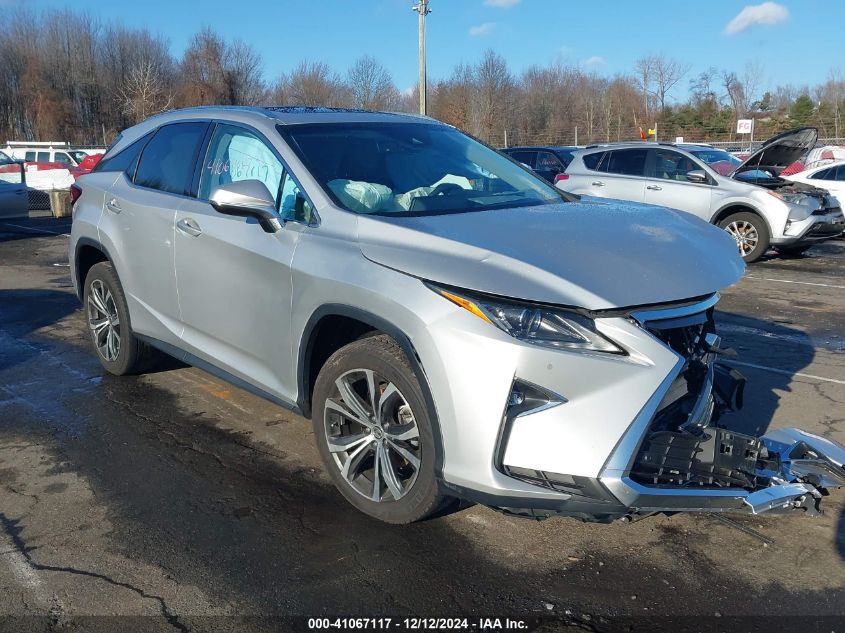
(119, 350)
(374, 431)
(750, 232)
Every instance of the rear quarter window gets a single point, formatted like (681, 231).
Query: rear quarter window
(126, 159)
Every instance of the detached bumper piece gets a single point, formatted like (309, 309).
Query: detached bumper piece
(782, 470)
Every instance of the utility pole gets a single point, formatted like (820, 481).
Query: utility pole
(423, 10)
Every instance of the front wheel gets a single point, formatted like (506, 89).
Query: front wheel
(750, 232)
(374, 431)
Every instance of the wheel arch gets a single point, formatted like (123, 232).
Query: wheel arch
(318, 342)
(737, 207)
(88, 252)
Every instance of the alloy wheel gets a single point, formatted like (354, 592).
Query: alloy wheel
(372, 435)
(745, 235)
(104, 320)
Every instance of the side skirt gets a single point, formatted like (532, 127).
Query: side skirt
(214, 370)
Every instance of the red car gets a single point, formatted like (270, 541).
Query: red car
(89, 162)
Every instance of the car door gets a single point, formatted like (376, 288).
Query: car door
(667, 185)
(138, 217)
(836, 186)
(832, 179)
(619, 175)
(233, 278)
(14, 199)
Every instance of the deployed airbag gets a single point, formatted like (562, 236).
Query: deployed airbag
(362, 197)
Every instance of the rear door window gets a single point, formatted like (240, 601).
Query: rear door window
(43, 157)
(526, 158)
(546, 161)
(594, 162)
(627, 162)
(840, 173)
(169, 160)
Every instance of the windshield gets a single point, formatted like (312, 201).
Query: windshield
(412, 169)
(718, 160)
(4, 159)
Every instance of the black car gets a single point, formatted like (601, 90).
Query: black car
(547, 162)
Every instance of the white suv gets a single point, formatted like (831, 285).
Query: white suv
(747, 199)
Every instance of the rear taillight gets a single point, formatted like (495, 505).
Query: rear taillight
(560, 177)
(75, 192)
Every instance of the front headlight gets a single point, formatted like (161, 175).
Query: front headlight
(538, 325)
(800, 205)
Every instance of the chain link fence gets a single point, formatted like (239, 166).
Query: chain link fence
(718, 137)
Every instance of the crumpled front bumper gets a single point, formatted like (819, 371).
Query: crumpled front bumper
(796, 469)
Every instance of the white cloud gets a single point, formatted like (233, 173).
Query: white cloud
(482, 29)
(767, 13)
(501, 4)
(593, 61)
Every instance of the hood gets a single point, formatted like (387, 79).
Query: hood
(590, 254)
(782, 150)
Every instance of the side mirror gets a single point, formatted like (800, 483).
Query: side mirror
(250, 199)
(697, 175)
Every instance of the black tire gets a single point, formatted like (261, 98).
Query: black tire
(133, 355)
(760, 234)
(793, 251)
(382, 356)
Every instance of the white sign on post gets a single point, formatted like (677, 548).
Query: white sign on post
(745, 126)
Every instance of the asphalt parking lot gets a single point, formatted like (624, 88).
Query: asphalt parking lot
(178, 496)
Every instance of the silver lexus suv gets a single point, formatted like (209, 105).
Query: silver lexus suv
(454, 326)
(748, 199)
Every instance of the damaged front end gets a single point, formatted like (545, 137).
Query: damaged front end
(680, 456)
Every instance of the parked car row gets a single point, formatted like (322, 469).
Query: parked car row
(747, 198)
(455, 326)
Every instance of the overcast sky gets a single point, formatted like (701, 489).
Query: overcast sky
(797, 41)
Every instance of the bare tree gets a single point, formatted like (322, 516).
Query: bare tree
(666, 73)
(371, 86)
(494, 95)
(735, 93)
(311, 84)
(202, 70)
(242, 72)
(144, 93)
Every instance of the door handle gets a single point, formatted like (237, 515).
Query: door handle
(113, 205)
(598, 183)
(189, 226)
(654, 188)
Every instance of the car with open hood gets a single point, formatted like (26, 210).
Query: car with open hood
(454, 326)
(747, 198)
